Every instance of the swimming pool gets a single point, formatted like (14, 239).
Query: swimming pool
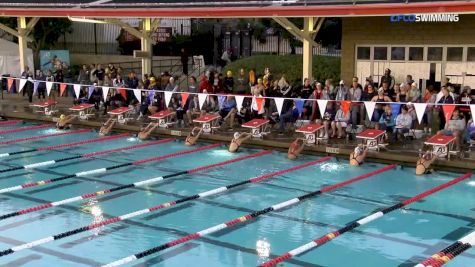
(401, 238)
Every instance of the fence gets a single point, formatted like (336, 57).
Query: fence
(281, 46)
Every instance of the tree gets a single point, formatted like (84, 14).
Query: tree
(45, 34)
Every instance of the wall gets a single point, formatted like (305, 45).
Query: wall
(379, 30)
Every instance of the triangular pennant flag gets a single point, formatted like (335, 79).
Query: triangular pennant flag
(138, 95)
(62, 88)
(77, 90)
(10, 84)
(90, 91)
(202, 99)
(105, 92)
(420, 110)
(35, 87)
(151, 95)
(369, 106)
(345, 106)
(395, 109)
(123, 93)
(184, 97)
(22, 84)
(221, 100)
(168, 96)
(448, 110)
(279, 102)
(239, 100)
(322, 106)
(472, 110)
(49, 85)
(260, 103)
(299, 104)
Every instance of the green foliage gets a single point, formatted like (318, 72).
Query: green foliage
(290, 65)
(47, 31)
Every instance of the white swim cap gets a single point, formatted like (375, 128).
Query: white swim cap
(236, 135)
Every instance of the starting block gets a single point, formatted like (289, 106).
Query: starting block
(310, 132)
(208, 122)
(46, 107)
(372, 138)
(258, 127)
(163, 118)
(442, 145)
(123, 114)
(85, 110)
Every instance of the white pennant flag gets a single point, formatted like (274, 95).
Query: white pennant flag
(202, 99)
(105, 92)
(369, 106)
(322, 106)
(239, 100)
(49, 85)
(279, 102)
(420, 110)
(77, 90)
(472, 110)
(138, 95)
(22, 84)
(168, 96)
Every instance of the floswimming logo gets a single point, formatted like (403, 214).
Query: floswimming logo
(417, 18)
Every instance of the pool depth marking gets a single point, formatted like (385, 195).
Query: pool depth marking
(356, 223)
(73, 144)
(102, 170)
(33, 138)
(9, 122)
(447, 254)
(244, 218)
(122, 187)
(23, 129)
(157, 207)
(87, 155)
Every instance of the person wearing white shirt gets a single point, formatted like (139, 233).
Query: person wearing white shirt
(455, 127)
(403, 123)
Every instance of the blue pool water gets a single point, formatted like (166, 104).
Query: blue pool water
(401, 238)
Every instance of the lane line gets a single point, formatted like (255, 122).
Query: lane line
(23, 129)
(33, 138)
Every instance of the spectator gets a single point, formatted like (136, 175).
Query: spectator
(228, 82)
(455, 127)
(267, 79)
(205, 85)
(192, 86)
(311, 111)
(193, 109)
(41, 78)
(387, 78)
(184, 61)
(329, 89)
(354, 94)
(445, 99)
(252, 78)
(306, 90)
(387, 121)
(112, 71)
(414, 93)
(29, 88)
(275, 90)
(99, 73)
(402, 95)
(340, 123)
(96, 97)
(327, 120)
(256, 111)
(210, 105)
(290, 115)
(228, 111)
(380, 99)
(92, 74)
(403, 123)
(171, 86)
(470, 136)
(397, 91)
(341, 92)
(218, 83)
(409, 79)
(368, 81)
(83, 77)
(388, 91)
(242, 83)
(51, 78)
(226, 58)
(132, 80)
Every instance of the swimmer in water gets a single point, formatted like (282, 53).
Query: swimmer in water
(193, 136)
(295, 148)
(145, 132)
(424, 162)
(63, 122)
(107, 126)
(357, 157)
(237, 141)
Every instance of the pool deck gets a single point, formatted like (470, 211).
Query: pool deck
(17, 107)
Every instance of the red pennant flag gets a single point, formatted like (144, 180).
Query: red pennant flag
(62, 88)
(9, 84)
(448, 110)
(184, 97)
(123, 92)
(345, 106)
(259, 102)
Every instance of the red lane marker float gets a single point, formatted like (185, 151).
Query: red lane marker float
(447, 254)
(88, 155)
(102, 170)
(27, 128)
(73, 144)
(152, 209)
(10, 122)
(122, 187)
(352, 225)
(33, 138)
(243, 219)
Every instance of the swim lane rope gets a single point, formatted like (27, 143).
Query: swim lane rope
(33, 138)
(155, 208)
(27, 128)
(9, 122)
(357, 223)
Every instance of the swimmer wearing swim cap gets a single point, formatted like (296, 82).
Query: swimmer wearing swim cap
(358, 155)
(237, 141)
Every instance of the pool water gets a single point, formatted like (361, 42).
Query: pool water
(401, 238)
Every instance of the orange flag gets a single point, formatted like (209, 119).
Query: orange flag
(123, 92)
(345, 106)
(448, 110)
(62, 88)
(184, 97)
(9, 84)
(259, 102)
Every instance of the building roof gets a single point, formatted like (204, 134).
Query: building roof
(228, 8)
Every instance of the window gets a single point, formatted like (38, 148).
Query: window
(471, 54)
(398, 53)
(363, 52)
(416, 53)
(380, 53)
(434, 54)
(454, 53)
